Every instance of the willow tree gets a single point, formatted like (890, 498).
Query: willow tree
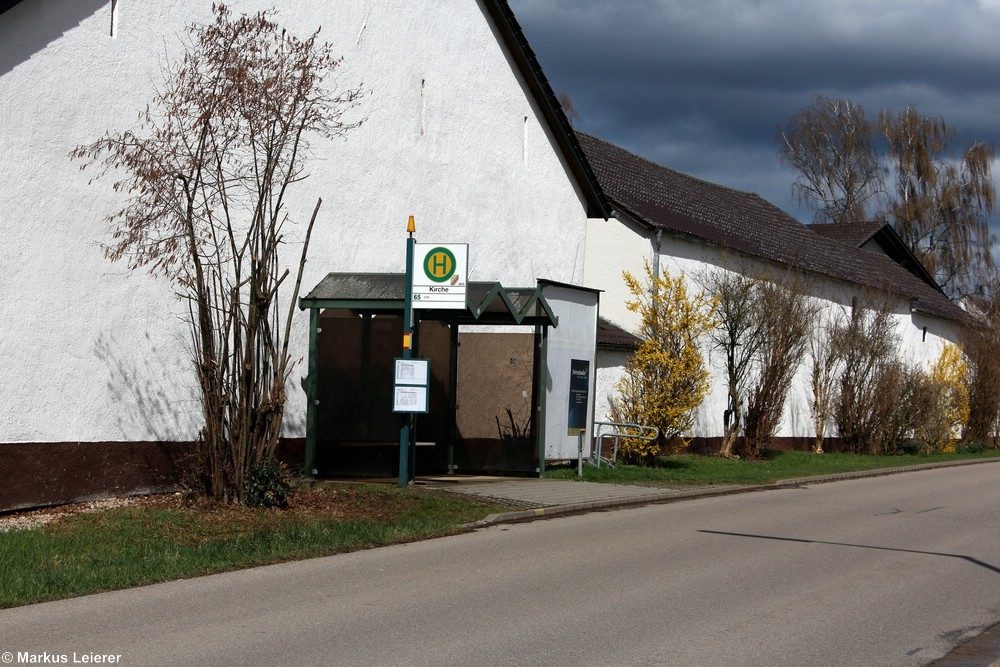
(943, 201)
(208, 171)
(939, 200)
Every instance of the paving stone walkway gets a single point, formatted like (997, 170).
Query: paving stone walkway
(545, 497)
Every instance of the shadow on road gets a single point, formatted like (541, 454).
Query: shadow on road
(970, 559)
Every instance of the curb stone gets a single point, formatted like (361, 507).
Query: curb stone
(706, 492)
(610, 503)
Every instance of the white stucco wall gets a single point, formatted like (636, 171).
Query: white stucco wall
(90, 351)
(617, 246)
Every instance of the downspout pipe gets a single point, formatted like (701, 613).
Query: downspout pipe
(656, 252)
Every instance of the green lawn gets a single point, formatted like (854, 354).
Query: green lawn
(164, 538)
(703, 470)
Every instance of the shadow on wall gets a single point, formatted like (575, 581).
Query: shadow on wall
(158, 428)
(29, 27)
(146, 404)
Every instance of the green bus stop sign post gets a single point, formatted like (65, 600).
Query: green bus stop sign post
(407, 418)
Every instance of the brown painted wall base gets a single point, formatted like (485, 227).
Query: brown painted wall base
(52, 473)
(710, 446)
(39, 474)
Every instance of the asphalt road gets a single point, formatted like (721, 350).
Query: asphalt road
(880, 571)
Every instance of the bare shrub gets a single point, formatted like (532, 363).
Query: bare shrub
(981, 343)
(871, 381)
(208, 172)
(786, 316)
(737, 335)
(824, 371)
(762, 328)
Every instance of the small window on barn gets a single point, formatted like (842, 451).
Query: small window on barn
(524, 142)
(423, 107)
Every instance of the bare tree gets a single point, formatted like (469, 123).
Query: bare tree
(786, 321)
(824, 370)
(737, 335)
(943, 202)
(208, 172)
(831, 146)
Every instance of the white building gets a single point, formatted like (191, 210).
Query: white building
(688, 226)
(461, 130)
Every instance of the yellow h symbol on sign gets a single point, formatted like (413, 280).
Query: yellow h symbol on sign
(439, 264)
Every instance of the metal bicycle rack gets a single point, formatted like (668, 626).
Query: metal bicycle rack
(617, 430)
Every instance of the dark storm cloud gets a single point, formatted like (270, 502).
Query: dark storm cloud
(702, 85)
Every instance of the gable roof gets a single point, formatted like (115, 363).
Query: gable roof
(527, 64)
(512, 37)
(744, 222)
(857, 234)
(854, 234)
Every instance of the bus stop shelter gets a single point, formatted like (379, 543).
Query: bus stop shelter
(355, 333)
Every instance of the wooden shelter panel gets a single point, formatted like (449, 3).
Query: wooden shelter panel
(494, 377)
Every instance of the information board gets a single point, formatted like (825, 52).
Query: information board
(579, 396)
(410, 381)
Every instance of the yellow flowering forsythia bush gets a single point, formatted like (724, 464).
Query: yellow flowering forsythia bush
(665, 380)
(948, 387)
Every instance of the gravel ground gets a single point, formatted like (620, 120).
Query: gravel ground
(34, 518)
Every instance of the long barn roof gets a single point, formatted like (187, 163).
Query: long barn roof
(746, 223)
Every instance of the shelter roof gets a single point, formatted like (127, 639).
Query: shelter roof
(486, 302)
(744, 222)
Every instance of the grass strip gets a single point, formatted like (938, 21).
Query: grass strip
(166, 539)
(708, 470)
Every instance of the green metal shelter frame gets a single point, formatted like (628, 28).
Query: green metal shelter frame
(487, 303)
